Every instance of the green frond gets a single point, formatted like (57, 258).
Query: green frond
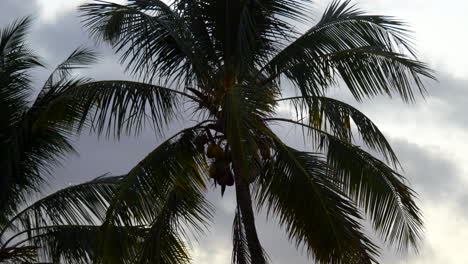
(240, 252)
(80, 58)
(331, 115)
(71, 244)
(164, 192)
(297, 189)
(61, 226)
(81, 204)
(374, 187)
(20, 254)
(16, 60)
(369, 53)
(153, 39)
(163, 243)
(380, 191)
(116, 107)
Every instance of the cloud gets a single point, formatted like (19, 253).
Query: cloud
(432, 175)
(12, 9)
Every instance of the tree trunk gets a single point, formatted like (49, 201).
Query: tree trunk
(244, 202)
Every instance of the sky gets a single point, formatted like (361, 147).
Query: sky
(429, 136)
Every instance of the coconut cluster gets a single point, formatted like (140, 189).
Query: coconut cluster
(221, 170)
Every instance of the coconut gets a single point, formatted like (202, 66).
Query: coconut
(210, 151)
(226, 179)
(265, 152)
(230, 178)
(212, 171)
(215, 151)
(218, 153)
(221, 167)
(200, 142)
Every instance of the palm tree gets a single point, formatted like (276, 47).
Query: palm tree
(230, 63)
(35, 136)
(35, 123)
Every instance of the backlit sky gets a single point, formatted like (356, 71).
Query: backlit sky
(430, 137)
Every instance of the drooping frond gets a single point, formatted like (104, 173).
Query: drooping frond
(163, 243)
(155, 42)
(297, 189)
(240, 251)
(82, 204)
(76, 244)
(60, 226)
(18, 254)
(15, 87)
(16, 59)
(375, 187)
(331, 115)
(116, 107)
(380, 191)
(80, 58)
(369, 53)
(163, 192)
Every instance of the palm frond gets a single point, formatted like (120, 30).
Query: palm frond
(116, 107)
(375, 187)
(380, 191)
(16, 59)
(74, 244)
(81, 204)
(332, 115)
(296, 187)
(370, 53)
(60, 226)
(154, 40)
(163, 243)
(80, 58)
(19, 254)
(240, 251)
(164, 192)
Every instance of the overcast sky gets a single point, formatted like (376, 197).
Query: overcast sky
(430, 137)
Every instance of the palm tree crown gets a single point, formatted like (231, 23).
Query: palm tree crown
(232, 61)
(34, 130)
(36, 125)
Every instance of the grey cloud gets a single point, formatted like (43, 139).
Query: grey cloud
(55, 43)
(13, 9)
(432, 174)
(453, 93)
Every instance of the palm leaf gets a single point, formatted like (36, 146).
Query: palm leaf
(80, 58)
(81, 204)
(163, 192)
(152, 37)
(329, 229)
(240, 252)
(122, 106)
(368, 52)
(15, 87)
(375, 187)
(325, 112)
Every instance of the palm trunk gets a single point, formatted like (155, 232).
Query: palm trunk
(244, 202)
